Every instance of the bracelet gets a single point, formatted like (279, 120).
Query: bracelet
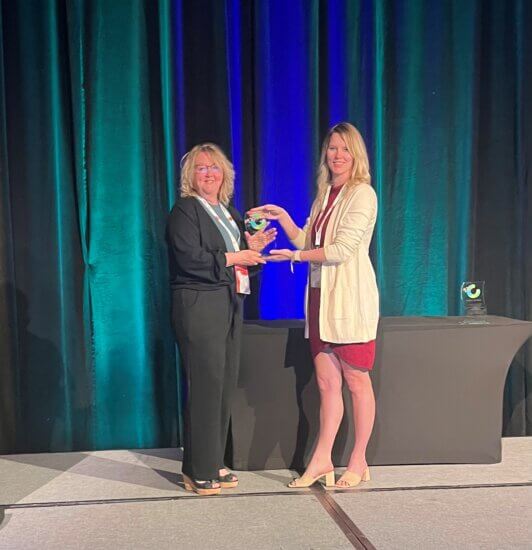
(296, 258)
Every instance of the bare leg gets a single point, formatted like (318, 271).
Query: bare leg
(363, 399)
(329, 379)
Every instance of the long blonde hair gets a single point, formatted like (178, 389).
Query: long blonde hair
(356, 148)
(188, 169)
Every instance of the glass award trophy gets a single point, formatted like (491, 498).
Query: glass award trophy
(255, 223)
(472, 294)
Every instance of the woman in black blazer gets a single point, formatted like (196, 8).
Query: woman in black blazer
(211, 258)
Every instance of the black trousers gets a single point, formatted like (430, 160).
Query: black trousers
(208, 329)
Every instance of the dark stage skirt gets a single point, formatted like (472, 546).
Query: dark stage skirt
(359, 355)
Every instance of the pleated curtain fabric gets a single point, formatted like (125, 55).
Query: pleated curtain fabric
(88, 154)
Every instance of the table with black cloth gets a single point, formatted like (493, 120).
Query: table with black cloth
(438, 383)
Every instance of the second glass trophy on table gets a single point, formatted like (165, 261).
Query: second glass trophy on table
(472, 295)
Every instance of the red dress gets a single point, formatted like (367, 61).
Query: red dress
(360, 355)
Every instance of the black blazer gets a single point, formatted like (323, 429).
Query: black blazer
(197, 249)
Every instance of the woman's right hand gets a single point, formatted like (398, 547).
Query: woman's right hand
(244, 257)
(274, 212)
(269, 212)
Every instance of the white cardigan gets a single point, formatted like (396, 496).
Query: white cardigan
(349, 303)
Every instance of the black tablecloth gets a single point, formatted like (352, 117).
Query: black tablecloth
(438, 384)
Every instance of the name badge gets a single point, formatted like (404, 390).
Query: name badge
(315, 275)
(242, 280)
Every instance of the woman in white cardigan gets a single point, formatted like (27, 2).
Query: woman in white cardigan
(342, 300)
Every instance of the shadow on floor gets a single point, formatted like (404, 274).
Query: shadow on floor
(91, 466)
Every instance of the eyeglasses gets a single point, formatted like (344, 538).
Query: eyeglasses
(202, 169)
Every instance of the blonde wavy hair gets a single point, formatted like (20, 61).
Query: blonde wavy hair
(188, 166)
(356, 148)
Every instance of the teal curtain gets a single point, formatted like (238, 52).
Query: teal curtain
(98, 102)
(8, 378)
(90, 172)
(422, 126)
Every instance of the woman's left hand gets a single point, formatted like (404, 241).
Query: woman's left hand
(261, 239)
(281, 255)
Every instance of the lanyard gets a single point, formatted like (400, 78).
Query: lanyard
(322, 217)
(211, 210)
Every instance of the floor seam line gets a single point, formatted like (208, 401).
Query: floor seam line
(51, 504)
(353, 533)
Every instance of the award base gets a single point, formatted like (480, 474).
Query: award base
(479, 320)
(476, 314)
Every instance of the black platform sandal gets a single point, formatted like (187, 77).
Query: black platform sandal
(202, 487)
(228, 481)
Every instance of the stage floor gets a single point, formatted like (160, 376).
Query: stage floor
(135, 500)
